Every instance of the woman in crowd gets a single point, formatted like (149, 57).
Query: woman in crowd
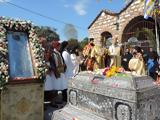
(69, 67)
(50, 77)
(137, 64)
(82, 61)
(152, 65)
(125, 59)
(75, 60)
(58, 83)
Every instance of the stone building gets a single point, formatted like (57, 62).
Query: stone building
(129, 25)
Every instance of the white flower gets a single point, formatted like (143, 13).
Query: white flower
(7, 78)
(36, 64)
(6, 72)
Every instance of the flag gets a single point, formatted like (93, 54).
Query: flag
(157, 8)
(159, 5)
(148, 8)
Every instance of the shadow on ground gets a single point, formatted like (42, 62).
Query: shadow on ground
(49, 109)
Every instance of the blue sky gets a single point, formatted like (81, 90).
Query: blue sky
(80, 13)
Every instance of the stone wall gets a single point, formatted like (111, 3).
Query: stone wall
(105, 20)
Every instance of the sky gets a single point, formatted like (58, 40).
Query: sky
(58, 13)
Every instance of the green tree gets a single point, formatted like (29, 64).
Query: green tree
(47, 32)
(73, 43)
(150, 36)
(83, 43)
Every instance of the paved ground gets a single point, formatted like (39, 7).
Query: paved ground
(50, 109)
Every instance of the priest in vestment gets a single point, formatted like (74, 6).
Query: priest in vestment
(87, 49)
(114, 51)
(88, 62)
(99, 53)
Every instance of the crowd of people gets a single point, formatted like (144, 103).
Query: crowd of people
(63, 63)
(138, 62)
(132, 59)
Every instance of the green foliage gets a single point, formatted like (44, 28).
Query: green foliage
(2, 83)
(73, 43)
(150, 36)
(83, 43)
(47, 32)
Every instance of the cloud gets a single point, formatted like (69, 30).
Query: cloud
(3, 1)
(80, 7)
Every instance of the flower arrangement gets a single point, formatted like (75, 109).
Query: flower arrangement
(113, 71)
(36, 49)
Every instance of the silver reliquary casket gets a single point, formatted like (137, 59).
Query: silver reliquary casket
(95, 97)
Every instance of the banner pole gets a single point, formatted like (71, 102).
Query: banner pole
(156, 30)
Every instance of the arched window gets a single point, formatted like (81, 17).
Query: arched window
(141, 29)
(106, 38)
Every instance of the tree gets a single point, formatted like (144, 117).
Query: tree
(150, 36)
(83, 42)
(47, 32)
(73, 43)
